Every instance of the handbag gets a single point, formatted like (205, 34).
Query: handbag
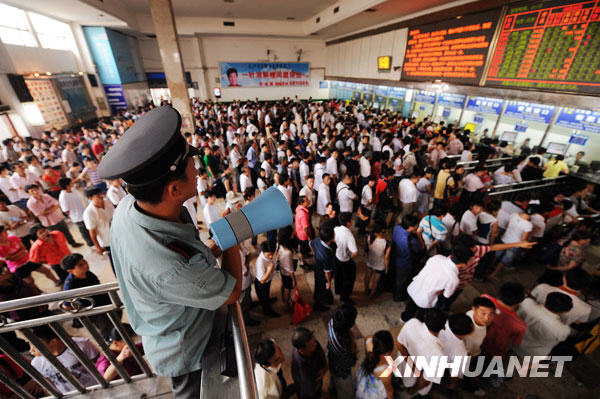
(227, 351)
(301, 308)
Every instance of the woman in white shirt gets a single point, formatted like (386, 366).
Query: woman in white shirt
(378, 256)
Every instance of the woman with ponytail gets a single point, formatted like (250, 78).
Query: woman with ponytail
(556, 166)
(369, 383)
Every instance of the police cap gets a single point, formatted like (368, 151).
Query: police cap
(148, 150)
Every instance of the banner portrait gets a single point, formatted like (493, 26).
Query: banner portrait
(264, 74)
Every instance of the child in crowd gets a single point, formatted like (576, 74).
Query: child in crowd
(265, 268)
(285, 259)
(122, 352)
(16, 257)
(65, 356)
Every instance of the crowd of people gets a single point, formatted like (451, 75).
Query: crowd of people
(373, 192)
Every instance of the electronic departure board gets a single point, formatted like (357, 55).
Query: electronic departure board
(452, 50)
(553, 45)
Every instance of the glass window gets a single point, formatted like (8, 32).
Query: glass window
(14, 28)
(51, 33)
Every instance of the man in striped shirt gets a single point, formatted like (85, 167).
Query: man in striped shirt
(466, 273)
(432, 231)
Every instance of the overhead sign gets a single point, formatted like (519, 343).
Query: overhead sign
(579, 119)
(453, 50)
(264, 74)
(397, 92)
(116, 97)
(451, 100)
(521, 127)
(578, 139)
(381, 91)
(529, 112)
(548, 45)
(424, 96)
(485, 105)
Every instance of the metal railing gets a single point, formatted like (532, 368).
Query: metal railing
(78, 304)
(528, 185)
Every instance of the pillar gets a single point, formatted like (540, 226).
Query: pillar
(170, 54)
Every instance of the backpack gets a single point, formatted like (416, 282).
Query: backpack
(591, 343)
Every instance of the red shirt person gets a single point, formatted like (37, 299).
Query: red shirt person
(49, 248)
(508, 329)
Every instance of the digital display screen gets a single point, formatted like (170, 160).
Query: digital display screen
(556, 148)
(552, 45)
(452, 50)
(509, 137)
(384, 63)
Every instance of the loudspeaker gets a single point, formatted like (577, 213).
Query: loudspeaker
(268, 211)
(92, 79)
(21, 90)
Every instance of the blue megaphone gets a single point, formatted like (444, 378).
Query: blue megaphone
(268, 211)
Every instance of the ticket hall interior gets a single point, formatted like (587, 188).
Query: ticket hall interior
(375, 164)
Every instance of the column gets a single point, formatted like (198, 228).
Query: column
(170, 54)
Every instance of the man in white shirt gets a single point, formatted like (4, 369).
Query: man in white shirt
(421, 338)
(574, 281)
(115, 191)
(519, 229)
(16, 222)
(308, 190)
(304, 169)
(332, 166)
(458, 327)
(319, 169)
(438, 280)
(267, 166)
(21, 179)
(544, 327)
(482, 313)
(345, 268)
(366, 205)
(472, 183)
(72, 205)
(518, 205)
(6, 185)
(468, 222)
(270, 383)
(97, 218)
(365, 166)
(286, 188)
(210, 212)
(345, 195)
(323, 195)
(408, 193)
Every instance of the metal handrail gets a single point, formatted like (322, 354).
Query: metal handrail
(247, 384)
(493, 160)
(243, 359)
(546, 179)
(45, 299)
(493, 193)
